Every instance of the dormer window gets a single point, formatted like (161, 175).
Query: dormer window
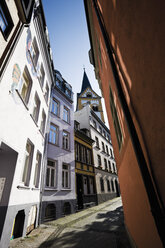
(88, 94)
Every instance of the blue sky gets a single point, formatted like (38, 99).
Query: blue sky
(69, 41)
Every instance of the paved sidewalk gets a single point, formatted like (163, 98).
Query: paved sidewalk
(99, 226)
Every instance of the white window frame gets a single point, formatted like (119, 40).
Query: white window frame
(36, 108)
(34, 52)
(28, 158)
(26, 85)
(43, 122)
(66, 114)
(46, 95)
(37, 169)
(66, 176)
(53, 134)
(41, 75)
(65, 140)
(52, 182)
(55, 105)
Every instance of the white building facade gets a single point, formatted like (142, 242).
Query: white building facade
(58, 197)
(24, 98)
(107, 185)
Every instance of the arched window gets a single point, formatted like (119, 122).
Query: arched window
(112, 185)
(101, 184)
(50, 212)
(95, 108)
(88, 94)
(108, 185)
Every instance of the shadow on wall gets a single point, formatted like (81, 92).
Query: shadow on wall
(108, 231)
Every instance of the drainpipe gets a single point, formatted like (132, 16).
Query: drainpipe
(154, 201)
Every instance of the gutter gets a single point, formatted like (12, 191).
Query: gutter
(153, 196)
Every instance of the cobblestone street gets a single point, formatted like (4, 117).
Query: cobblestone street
(99, 226)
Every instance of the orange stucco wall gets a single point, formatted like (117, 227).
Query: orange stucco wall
(136, 31)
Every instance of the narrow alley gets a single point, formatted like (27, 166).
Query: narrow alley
(99, 226)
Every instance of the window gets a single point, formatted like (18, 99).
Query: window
(99, 160)
(111, 154)
(65, 176)
(77, 151)
(36, 108)
(102, 184)
(114, 168)
(104, 133)
(27, 163)
(108, 137)
(76, 125)
(51, 174)
(86, 186)
(100, 130)
(103, 147)
(41, 75)
(65, 140)
(97, 142)
(105, 164)
(50, 212)
(25, 86)
(94, 124)
(66, 114)
(116, 121)
(107, 150)
(34, 52)
(53, 134)
(88, 94)
(108, 185)
(6, 23)
(37, 170)
(112, 185)
(83, 154)
(46, 92)
(89, 156)
(109, 165)
(43, 121)
(55, 107)
(95, 108)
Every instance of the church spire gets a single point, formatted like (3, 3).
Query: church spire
(89, 96)
(85, 82)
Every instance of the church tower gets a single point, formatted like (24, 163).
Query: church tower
(88, 96)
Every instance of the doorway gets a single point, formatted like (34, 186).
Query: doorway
(19, 224)
(79, 188)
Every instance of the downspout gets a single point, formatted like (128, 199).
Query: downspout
(154, 201)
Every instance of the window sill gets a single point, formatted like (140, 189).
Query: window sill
(53, 144)
(97, 147)
(58, 116)
(50, 189)
(23, 187)
(66, 189)
(66, 149)
(67, 122)
(35, 189)
(22, 100)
